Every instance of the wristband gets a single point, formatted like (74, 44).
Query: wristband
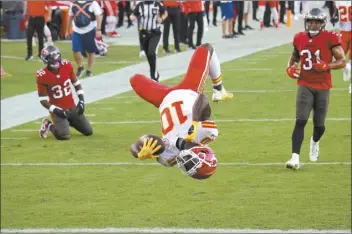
(52, 108)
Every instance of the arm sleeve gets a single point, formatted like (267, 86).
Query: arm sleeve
(41, 87)
(96, 9)
(335, 39)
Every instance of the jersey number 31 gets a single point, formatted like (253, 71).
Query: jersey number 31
(308, 55)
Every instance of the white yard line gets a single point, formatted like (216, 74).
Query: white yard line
(216, 120)
(164, 230)
(38, 60)
(14, 138)
(101, 108)
(242, 91)
(68, 164)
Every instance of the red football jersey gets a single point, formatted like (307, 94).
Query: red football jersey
(311, 48)
(57, 86)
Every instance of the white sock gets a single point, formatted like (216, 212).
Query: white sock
(47, 34)
(274, 14)
(261, 10)
(215, 70)
(295, 156)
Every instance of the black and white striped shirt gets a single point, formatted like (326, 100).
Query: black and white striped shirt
(148, 12)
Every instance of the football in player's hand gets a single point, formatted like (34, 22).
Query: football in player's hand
(136, 147)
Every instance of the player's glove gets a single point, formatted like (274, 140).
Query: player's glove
(149, 148)
(321, 66)
(80, 107)
(292, 72)
(192, 132)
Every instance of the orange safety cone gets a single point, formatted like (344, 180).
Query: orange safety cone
(289, 18)
(3, 73)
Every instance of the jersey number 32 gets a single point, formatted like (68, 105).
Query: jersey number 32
(60, 91)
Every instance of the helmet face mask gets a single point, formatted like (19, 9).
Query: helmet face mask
(51, 56)
(198, 162)
(315, 21)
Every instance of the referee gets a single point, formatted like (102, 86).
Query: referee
(152, 14)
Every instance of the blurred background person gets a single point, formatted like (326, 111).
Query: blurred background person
(215, 5)
(227, 15)
(194, 11)
(36, 11)
(173, 17)
(86, 18)
(124, 7)
(246, 11)
(152, 14)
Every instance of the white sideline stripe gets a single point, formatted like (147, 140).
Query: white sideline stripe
(14, 138)
(156, 164)
(164, 230)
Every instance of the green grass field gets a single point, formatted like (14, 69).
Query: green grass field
(255, 127)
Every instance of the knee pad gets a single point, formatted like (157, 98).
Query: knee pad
(88, 133)
(300, 123)
(208, 47)
(63, 137)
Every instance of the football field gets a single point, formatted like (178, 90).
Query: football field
(93, 183)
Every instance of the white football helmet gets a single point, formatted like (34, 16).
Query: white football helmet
(102, 47)
(198, 162)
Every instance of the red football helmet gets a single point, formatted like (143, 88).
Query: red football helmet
(198, 162)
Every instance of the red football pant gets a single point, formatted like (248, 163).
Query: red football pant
(194, 79)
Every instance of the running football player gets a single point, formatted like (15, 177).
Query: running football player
(314, 49)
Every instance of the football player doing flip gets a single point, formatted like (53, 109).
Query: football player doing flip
(185, 116)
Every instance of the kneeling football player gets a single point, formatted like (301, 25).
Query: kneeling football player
(55, 94)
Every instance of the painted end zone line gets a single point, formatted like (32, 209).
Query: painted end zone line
(164, 230)
(64, 164)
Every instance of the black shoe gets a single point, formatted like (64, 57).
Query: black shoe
(156, 79)
(248, 27)
(79, 72)
(192, 47)
(177, 50)
(241, 33)
(215, 24)
(89, 73)
(29, 58)
(167, 51)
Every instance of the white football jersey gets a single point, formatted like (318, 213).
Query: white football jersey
(176, 119)
(345, 14)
